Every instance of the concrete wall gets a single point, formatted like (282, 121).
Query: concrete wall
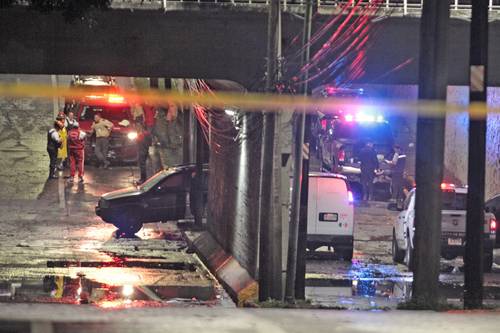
(211, 44)
(23, 136)
(234, 192)
(456, 149)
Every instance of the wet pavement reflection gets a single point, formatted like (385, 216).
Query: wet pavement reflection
(378, 287)
(124, 291)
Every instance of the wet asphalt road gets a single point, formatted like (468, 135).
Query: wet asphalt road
(54, 249)
(372, 280)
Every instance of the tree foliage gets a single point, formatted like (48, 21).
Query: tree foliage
(71, 9)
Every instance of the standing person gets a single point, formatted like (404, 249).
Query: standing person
(76, 145)
(102, 129)
(144, 141)
(53, 144)
(70, 121)
(62, 152)
(369, 163)
(397, 164)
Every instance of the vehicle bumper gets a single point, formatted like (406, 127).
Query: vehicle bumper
(337, 241)
(451, 251)
(103, 213)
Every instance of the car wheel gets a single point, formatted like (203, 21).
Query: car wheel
(488, 262)
(128, 225)
(408, 259)
(397, 254)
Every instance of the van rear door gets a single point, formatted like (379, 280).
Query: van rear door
(334, 213)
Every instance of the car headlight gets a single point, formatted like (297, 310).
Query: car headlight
(132, 136)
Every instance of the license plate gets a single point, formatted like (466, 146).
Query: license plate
(455, 241)
(328, 217)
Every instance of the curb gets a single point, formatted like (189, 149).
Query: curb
(234, 278)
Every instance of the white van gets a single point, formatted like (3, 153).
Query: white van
(330, 215)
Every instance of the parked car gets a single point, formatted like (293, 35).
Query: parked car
(163, 197)
(453, 222)
(330, 214)
(493, 206)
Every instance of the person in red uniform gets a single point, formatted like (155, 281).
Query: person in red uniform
(76, 146)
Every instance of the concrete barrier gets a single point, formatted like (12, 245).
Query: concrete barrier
(234, 278)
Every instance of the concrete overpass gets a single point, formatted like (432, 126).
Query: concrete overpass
(209, 42)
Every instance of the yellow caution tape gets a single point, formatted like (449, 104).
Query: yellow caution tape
(260, 102)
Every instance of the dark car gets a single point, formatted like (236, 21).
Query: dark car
(493, 206)
(163, 197)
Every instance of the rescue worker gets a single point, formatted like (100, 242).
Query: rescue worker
(70, 121)
(397, 164)
(144, 141)
(53, 144)
(62, 152)
(102, 130)
(369, 163)
(76, 145)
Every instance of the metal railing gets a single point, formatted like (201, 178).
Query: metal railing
(405, 6)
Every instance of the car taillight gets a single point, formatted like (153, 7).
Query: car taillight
(350, 197)
(493, 225)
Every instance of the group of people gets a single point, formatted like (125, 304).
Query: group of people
(65, 141)
(370, 164)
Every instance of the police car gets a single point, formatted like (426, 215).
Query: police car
(453, 223)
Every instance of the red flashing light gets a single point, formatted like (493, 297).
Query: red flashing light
(341, 155)
(493, 225)
(116, 99)
(447, 187)
(350, 197)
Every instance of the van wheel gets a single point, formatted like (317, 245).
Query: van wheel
(397, 254)
(488, 262)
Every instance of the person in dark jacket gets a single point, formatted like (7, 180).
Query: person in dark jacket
(369, 163)
(54, 142)
(144, 141)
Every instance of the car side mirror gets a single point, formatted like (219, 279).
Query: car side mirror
(393, 206)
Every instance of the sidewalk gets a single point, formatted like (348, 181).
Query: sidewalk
(63, 318)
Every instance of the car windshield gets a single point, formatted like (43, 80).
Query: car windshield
(112, 113)
(151, 182)
(454, 201)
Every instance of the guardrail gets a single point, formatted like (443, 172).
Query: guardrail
(405, 6)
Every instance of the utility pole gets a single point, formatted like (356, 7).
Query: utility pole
(292, 258)
(267, 244)
(474, 256)
(433, 79)
(198, 180)
(300, 276)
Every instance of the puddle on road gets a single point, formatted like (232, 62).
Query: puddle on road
(370, 292)
(123, 293)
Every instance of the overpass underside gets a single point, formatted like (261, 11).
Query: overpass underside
(221, 43)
